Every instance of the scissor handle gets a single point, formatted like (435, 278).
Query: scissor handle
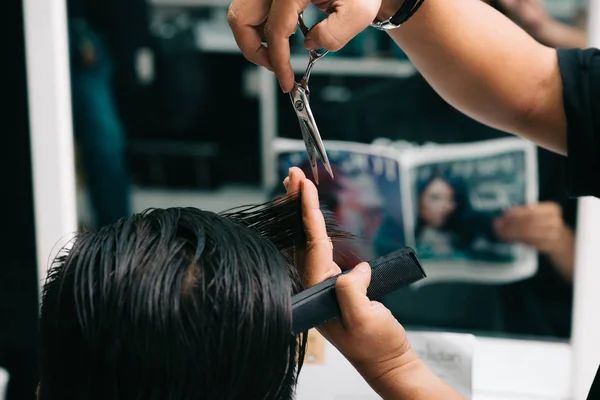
(315, 55)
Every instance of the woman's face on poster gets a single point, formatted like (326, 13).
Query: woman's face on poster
(437, 203)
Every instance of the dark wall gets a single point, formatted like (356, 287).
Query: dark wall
(18, 281)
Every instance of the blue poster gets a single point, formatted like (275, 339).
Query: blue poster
(365, 198)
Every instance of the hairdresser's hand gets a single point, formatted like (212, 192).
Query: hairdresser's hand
(538, 225)
(367, 334)
(542, 227)
(274, 21)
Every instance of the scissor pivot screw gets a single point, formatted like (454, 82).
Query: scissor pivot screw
(299, 105)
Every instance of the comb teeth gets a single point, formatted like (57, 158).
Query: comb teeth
(392, 272)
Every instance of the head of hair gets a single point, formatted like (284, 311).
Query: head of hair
(176, 304)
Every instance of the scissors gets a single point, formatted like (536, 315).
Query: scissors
(299, 96)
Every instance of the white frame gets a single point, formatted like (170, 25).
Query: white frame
(50, 125)
(55, 205)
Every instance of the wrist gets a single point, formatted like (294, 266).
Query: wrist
(561, 242)
(562, 254)
(404, 377)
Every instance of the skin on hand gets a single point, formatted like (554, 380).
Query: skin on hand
(367, 333)
(542, 227)
(255, 21)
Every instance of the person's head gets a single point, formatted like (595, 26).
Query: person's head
(437, 202)
(175, 304)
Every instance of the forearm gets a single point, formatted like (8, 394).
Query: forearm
(563, 255)
(487, 67)
(412, 381)
(557, 34)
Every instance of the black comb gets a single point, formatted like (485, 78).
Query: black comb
(318, 304)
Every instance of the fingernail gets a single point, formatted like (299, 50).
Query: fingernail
(286, 183)
(363, 267)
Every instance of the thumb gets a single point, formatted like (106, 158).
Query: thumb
(351, 292)
(342, 25)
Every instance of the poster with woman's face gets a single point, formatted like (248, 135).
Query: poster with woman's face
(455, 203)
(364, 197)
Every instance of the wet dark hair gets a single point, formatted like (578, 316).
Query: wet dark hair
(174, 304)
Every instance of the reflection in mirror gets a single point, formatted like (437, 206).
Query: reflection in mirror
(167, 114)
(99, 51)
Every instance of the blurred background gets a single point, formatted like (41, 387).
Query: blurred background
(166, 112)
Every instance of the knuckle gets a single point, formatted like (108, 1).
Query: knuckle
(335, 46)
(270, 30)
(344, 282)
(367, 12)
(330, 41)
(232, 18)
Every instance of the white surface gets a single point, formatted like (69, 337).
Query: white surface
(503, 370)
(3, 383)
(449, 355)
(526, 369)
(50, 125)
(586, 319)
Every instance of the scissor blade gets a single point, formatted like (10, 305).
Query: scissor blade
(298, 101)
(310, 149)
(310, 132)
(315, 137)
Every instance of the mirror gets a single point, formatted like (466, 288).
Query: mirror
(193, 124)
